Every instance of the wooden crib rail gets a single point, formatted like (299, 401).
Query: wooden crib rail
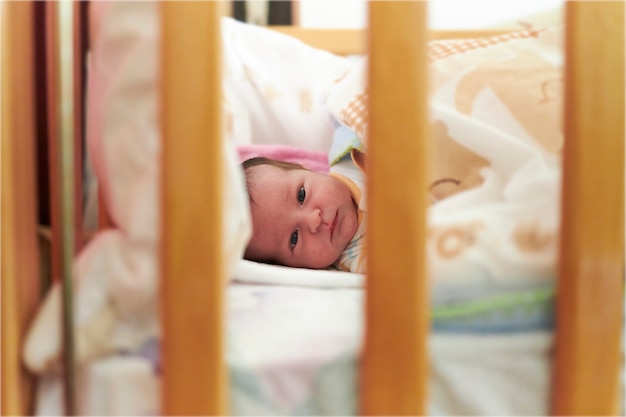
(337, 41)
(19, 266)
(590, 310)
(354, 41)
(60, 124)
(65, 58)
(192, 283)
(394, 371)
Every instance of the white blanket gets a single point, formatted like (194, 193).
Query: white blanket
(305, 362)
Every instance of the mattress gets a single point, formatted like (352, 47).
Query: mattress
(294, 350)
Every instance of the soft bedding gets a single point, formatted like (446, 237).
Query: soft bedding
(495, 109)
(294, 335)
(306, 363)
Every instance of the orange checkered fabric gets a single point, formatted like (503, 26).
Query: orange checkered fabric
(443, 49)
(354, 115)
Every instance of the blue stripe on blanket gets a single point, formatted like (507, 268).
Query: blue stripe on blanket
(509, 312)
(344, 140)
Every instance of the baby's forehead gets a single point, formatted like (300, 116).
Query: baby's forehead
(275, 175)
(263, 179)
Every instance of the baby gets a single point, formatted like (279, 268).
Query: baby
(303, 218)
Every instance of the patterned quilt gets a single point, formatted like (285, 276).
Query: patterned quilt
(495, 109)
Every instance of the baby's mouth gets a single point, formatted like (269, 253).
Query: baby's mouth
(332, 225)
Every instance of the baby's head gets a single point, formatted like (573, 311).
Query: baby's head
(300, 218)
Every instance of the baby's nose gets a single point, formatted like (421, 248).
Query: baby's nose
(314, 220)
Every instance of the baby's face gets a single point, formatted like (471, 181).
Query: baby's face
(300, 218)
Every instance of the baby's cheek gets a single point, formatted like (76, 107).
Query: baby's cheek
(347, 230)
(326, 257)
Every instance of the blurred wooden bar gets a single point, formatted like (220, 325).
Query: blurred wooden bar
(55, 125)
(394, 371)
(19, 266)
(590, 309)
(337, 41)
(354, 41)
(192, 283)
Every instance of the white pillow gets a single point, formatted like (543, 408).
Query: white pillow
(276, 87)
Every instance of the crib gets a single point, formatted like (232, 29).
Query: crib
(394, 366)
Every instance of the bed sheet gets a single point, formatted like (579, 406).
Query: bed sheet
(306, 363)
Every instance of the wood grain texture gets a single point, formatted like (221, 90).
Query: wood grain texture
(394, 367)
(591, 270)
(354, 41)
(192, 286)
(337, 41)
(19, 263)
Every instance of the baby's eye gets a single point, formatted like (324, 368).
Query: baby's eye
(301, 195)
(294, 239)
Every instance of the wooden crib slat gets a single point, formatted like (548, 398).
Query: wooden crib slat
(394, 368)
(54, 117)
(591, 281)
(64, 117)
(19, 263)
(192, 285)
